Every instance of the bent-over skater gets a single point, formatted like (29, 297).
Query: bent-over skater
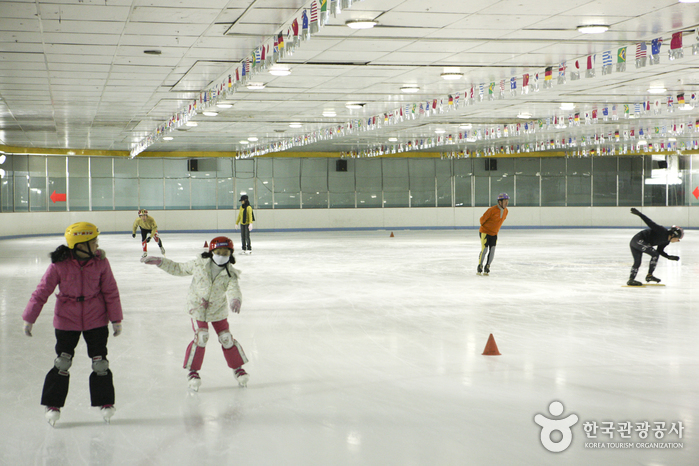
(643, 242)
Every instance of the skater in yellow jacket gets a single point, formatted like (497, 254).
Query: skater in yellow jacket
(245, 219)
(148, 229)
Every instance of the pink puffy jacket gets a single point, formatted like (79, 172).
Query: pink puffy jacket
(88, 296)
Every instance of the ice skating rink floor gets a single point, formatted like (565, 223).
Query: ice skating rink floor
(366, 350)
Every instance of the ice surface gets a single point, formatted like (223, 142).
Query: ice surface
(366, 350)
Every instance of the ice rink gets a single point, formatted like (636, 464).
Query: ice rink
(365, 349)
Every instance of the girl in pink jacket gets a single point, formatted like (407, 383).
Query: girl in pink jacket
(88, 299)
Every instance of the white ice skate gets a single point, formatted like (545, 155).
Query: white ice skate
(145, 254)
(194, 381)
(107, 412)
(52, 415)
(241, 376)
(162, 250)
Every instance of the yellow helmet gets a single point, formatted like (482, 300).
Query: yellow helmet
(80, 232)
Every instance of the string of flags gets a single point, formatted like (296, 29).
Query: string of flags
(291, 37)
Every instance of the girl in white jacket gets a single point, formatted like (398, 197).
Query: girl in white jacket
(214, 290)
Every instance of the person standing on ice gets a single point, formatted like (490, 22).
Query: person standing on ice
(214, 290)
(245, 219)
(643, 242)
(88, 299)
(491, 221)
(148, 228)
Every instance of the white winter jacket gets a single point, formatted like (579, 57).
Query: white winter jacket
(207, 300)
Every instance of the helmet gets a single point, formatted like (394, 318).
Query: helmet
(80, 232)
(676, 232)
(502, 196)
(142, 212)
(221, 242)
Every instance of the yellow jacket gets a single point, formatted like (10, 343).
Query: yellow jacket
(147, 224)
(249, 217)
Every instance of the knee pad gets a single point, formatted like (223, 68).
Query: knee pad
(63, 362)
(201, 337)
(100, 365)
(226, 339)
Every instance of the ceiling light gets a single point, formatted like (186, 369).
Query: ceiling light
(361, 23)
(329, 113)
(688, 1)
(452, 76)
(3, 158)
(524, 115)
(354, 105)
(471, 139)
(295, 125)
(642, 142)
(593, 28)
(2, 173)
(252, 139)
(279, 71)
(224, 105)
(168, 138)
(409, 89)
(466, 126)
(256, 86)
(567, 106)
(656, 90)
(440, 131)
(672, 139)
(686, 107)
(244, 142)
(392, 139)
(207, 113)
(191, 123)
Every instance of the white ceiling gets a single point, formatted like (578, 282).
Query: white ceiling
(74, 75)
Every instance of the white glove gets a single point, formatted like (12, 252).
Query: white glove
(234, 306)
(152, 260)
(116, 326)
(28, 328)
(250, 227)
(237, 227)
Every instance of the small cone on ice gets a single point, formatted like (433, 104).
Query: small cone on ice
(391, 235)
(491, 348)
(206, 245)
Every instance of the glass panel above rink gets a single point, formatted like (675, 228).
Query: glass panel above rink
(113, 183)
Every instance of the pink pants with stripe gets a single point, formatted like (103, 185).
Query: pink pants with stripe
(232, 351)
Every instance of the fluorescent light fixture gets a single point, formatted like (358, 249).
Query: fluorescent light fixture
(409, 89)
(295, 125)
(256, 86)
(392, 139)
(656, 90)
(452, 76)
(168, 138)
(567, 106)
(207, 113)
(279, 71)
(440, 131)
(672, 139)
(593, 28)
(471, 139)
(2, 158)
(685, 107)
(524, 115)
(191, 123)
(354, 105)
(244, 142)
(70, 152)
(224, 105)
(361, 23)
(329, 113)
(466, 126)
(252, 139)
(642, 142)
(688, 1)
(2, 173)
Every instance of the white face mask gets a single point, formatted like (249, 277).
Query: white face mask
(220, 260)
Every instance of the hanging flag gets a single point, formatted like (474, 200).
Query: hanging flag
(676, 46)
(324, 13)
(594, 115)
(535, 84)
(562, 73)
(606, 62)
(621, 60)
(237, 78)
(695, 47)
(280, 41)
(314, 17)
(513, 86)
(548, 72)
(305, 31)
(275, 58)
(655, 51)
(335, 8)
(614, 113)
(525, 83)
(680, 99)
(230, 82)
(575, 74)
(346, 4)
(491, 91)
(502, 89)
(295, 29)
(626, 110)
(268, 57)
(480, 92)
(641, 51)
(670, 105)
(590, 73)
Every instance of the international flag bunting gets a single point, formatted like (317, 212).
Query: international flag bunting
(680, 99)
(513, 86)
(335, 8)
(305, 31)
(695, 47)
(535, 84)
(502, 89)
(237, 76)
(268, 57)
(670, 105)
(230, 83)
(607, 62)
(655, 50)
(590, 73)
(548, 75)
(314, 17)
(594, 115)
(626, 110)
(295, 28)
(676, 46)
(480, 91)
(491, 91)
(562, 73)
(276, 50)
(324, 13)
(525, 83)
(614, 113)
(621, 60)
(641, 54)
(575, 74)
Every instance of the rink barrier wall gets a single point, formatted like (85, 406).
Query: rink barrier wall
(20, 224)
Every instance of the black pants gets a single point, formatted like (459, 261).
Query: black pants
(56, 383)
(638, 248)
(245, 237)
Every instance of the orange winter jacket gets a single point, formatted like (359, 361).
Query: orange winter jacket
(492, 219)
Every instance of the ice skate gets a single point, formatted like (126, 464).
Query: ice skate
(194, 381)
(479, 270)
(145, 254)
(107, 412)
(52, 414)
(486, 270)
(162, 250)
(651, 278)
(241, 376)
(633, 282)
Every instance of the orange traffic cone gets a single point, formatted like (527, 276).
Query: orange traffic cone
(491, 349)
(391, 235)
(206, 245)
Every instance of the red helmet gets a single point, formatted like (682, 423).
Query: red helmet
(221, 242)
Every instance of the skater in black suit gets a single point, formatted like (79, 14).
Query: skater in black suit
(643, 242)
